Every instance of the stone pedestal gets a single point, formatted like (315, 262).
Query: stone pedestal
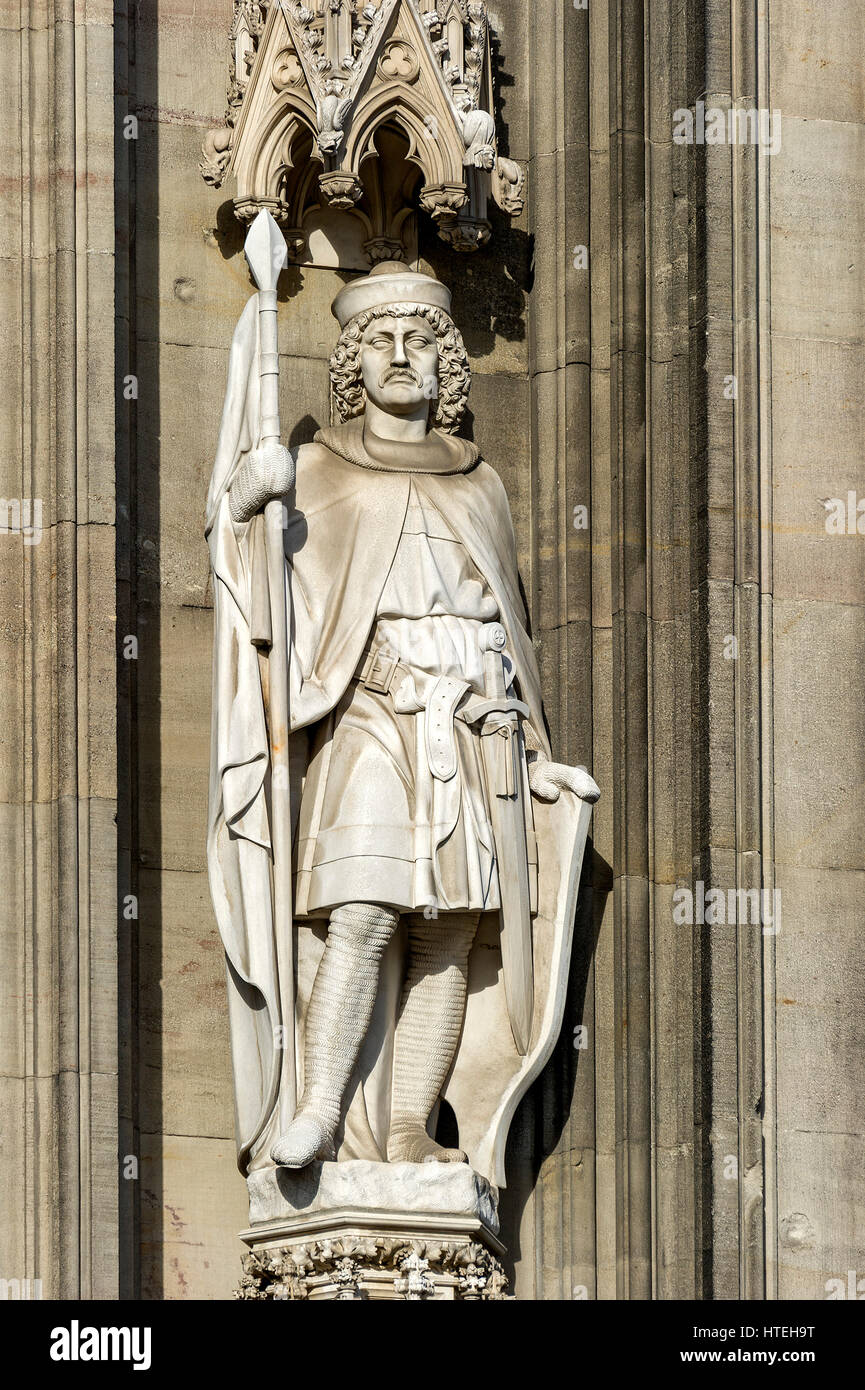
(361, 1230)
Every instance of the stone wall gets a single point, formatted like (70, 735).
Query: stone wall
(58, 931)
(706, 1139)
(813, 428)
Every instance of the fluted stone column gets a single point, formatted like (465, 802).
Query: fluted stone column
(58, 1026)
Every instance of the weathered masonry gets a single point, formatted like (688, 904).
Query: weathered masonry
(666, 340)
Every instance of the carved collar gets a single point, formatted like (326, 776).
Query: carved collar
(437, 453)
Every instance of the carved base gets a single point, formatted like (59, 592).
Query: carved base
(465, 234)
(353, 1265)
(357, 1230)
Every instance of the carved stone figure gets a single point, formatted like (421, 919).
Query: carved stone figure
(479, 134)
(331, 111)
(414, 819)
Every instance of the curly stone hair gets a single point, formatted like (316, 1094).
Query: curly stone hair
(454, 373)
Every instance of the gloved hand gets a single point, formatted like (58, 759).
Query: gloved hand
(546, 780)
(265, 473)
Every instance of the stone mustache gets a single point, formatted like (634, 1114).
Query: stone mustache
(379, 749)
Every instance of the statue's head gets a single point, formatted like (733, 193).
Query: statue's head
(399, 347)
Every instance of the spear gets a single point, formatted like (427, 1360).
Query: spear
(267, 254)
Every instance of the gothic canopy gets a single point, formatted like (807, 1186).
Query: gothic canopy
(369, 108)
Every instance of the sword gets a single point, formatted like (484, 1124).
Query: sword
(502, 747)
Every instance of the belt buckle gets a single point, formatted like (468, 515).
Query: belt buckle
(386, 662)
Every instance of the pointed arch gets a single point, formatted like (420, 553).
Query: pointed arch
(435, 144)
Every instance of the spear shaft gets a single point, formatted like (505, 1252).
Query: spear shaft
(266, 253)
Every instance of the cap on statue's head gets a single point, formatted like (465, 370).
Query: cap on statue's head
(390, 283)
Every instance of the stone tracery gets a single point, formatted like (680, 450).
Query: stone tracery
(328, 101)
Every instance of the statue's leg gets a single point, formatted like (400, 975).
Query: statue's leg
(340, 1008)
(428, 1031)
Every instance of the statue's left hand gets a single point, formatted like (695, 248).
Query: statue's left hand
(547, 779)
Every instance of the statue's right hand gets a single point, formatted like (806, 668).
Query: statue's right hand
(265, 473)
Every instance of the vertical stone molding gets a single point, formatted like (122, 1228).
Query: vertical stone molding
(58, 1026)
(731, 577)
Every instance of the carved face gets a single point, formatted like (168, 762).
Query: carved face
(399, 362)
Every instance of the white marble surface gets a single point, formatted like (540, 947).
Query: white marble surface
(452, 1189)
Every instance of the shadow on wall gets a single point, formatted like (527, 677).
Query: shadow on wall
(489, 291)
(140, 725)
(139, 774)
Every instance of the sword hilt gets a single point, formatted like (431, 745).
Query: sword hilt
(492, 640)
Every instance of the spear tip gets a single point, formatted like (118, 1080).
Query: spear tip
(265, 251)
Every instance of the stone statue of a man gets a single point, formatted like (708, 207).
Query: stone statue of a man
(418, 749)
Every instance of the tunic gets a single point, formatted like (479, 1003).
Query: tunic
(375, 824)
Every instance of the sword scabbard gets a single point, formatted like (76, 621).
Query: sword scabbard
(505, 784)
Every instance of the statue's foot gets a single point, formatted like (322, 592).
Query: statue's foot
(306, 1139)
(415, 1146)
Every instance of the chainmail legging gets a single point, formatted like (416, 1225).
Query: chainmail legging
(341, 1004)
(431, 1017)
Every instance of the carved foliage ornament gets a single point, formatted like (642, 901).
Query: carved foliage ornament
(349, 1267)
(322, 95)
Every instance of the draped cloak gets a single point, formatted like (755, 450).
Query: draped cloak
(343, 525)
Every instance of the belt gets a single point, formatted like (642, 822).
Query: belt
(378, 667)
(380, 670)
